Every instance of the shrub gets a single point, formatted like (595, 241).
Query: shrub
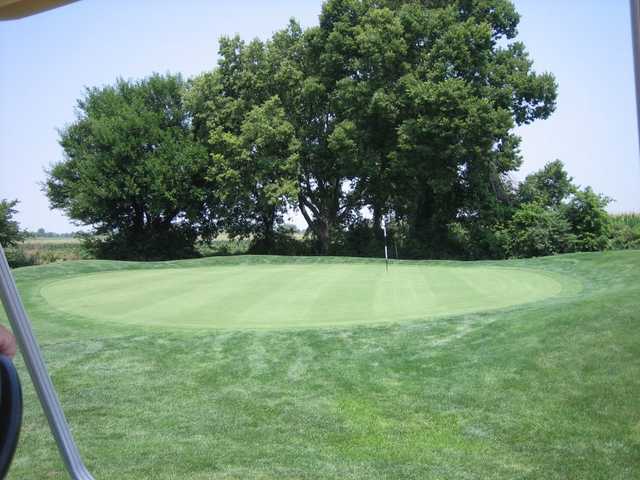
(223, 247)
(588, 220)
(624, 231)
(10, 233)
(536, 231)
(17, 257)
(285, 241)
(358, 240)
(149, 245)
(549, 186)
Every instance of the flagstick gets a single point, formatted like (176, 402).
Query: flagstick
(386, 253)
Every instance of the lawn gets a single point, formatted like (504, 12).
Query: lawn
(295, 295)
(300, 368)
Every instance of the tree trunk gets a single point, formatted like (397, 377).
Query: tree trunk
(322, 216)
(377, 221)
(323, 234)
(268, 231)
(138, 218)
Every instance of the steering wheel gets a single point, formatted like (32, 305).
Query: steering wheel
(10, 412)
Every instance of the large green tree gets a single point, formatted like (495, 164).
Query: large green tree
(589, 220)
(240, 118)
(286, 68)
(403, 107)
(258, 167)
(133, 170)
(549, 186)
(435, 90)
(553, 215)
(407, 108)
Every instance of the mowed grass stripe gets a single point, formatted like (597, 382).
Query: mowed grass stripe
(538, 390)
(284, 296)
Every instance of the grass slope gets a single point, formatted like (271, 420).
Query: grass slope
(542, 390)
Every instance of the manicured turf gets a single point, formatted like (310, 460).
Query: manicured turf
(543, 389)
(271, 296)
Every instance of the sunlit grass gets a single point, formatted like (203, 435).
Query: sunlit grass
(544, 390)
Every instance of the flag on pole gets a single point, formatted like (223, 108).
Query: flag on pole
(386, 251)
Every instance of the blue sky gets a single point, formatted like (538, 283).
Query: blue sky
(47, 60)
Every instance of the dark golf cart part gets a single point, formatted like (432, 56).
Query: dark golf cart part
(10, 413)
(16, 9)
(32, 355)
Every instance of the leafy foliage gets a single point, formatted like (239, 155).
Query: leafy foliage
(624, 231)
(405, 108)
(42, 250)
(10, 233)
(258, 167)
(134, 171)
(589, 221)
(555, 216)
(536, 231)
(549, 186)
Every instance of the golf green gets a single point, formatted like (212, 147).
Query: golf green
(290, 295)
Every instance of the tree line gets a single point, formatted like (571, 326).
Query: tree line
(404, 109)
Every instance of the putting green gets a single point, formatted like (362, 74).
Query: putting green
(268, 296)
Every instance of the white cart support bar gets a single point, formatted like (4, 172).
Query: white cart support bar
(635, 29)
(32, 355)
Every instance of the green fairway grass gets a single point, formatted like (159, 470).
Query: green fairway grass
(277, 295)
(524, 369)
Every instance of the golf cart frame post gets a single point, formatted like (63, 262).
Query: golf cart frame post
(21, 325)
(635, 29)
(34, 361)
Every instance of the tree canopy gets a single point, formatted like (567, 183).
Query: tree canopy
(548, 186)
(405, 109)
(134, 171)
(10, 233)
(553, 215)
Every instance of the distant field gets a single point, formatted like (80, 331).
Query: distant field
(43, 250)
(631, 220)
(536, 377)
(36, 241)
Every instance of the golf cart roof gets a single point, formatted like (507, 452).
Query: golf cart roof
(13, 9)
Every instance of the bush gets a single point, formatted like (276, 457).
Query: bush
(40, 251)
(17, 258)
(223, 247)
(461, 241)
(285, 241)
(536, 231)
(624, 231)
(10, 233)
(588, 220)
(474, 241)
(149, 245)
(358, 240)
